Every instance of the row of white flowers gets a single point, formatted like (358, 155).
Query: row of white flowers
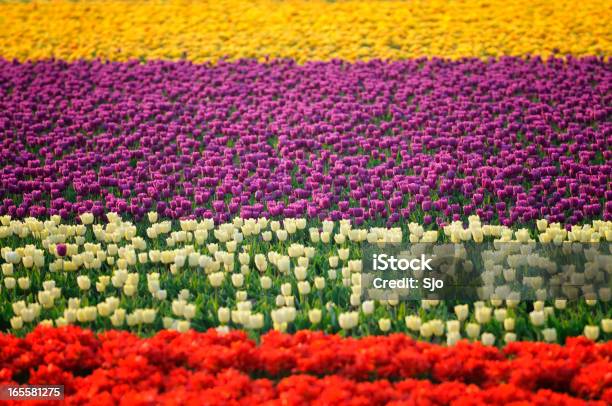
(257, 274)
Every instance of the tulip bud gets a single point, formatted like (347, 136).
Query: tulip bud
(591, 332)
(241, 296)
(384, 325)
(28, 261)
(453, 326)
(289, 301)
(167, 322)
(286, 289)
(13, 257)
(178, 307)
(104, 309)
(74, 303)
(70, 315)
(549, 334)
(309, 252)
(413, 323)
(333, 261)
(355, 265)
(7, 269)
(281, 235)
(452, 338)
(152, 216)
(500, 315)
(304, 288)
(216, 279)
(266, 282)
(10, 282)
(224, 314)
(45, 299)
(542, 224)
(91, 312)
(483, 315)
(472, 330)
(314, 316)
(260, 262)
(83, 282)
(290, 226)
(189, 311)
(148, 316)
(314, 235)
(87, 218)
(129, 289)
(343, 254)
(300, 273)
(437, 327)
(328, 226)
(367, 307)
(426, 330)
(303, 261)
(487, 339)
(81, 315)
(290, 314)
(61, 250)
(348, 320)
(182, 326)
(537, 318)
(462, 312)
(16, 323)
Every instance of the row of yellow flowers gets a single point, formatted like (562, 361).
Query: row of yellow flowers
(302, 30)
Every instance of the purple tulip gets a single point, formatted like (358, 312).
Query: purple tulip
(61, 250)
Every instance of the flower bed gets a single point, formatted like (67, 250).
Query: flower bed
(302, 30)
(261, 274)
(305, 367)
(428, 141)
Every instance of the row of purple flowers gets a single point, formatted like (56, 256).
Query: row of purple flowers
(511, 140)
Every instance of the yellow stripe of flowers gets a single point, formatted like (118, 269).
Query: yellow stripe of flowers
(303, 30)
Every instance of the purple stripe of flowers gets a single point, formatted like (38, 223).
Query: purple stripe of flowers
(511, 140)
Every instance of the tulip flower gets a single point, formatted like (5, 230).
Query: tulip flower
(591, 332)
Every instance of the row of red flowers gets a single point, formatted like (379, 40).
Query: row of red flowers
(306, 367)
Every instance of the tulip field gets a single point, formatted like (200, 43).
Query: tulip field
(187, 190)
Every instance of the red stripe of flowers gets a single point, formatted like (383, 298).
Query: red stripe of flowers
(306, 367)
